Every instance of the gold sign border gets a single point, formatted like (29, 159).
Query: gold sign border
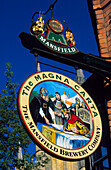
(24, 110)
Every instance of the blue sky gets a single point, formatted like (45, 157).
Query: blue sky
(53, 87)
(15, 17)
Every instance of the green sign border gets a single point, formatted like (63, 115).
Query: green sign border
(59, 49)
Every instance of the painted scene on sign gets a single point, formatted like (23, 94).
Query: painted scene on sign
(61, 115)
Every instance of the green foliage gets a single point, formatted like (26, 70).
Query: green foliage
(42, 159)
(12, 134)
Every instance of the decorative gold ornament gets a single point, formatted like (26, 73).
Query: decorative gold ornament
(70, 37)
(39, 26)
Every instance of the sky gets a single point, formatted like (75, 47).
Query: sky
(16, 17)
(53, 86)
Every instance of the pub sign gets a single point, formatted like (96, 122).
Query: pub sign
(59, 115)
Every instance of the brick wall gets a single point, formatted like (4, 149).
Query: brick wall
(102, 10)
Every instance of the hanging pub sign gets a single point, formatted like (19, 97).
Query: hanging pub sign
(59, 115)
(48, 37)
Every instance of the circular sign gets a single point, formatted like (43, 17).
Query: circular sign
(59, 115)
(55, 26)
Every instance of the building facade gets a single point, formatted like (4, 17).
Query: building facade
(100, 13)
